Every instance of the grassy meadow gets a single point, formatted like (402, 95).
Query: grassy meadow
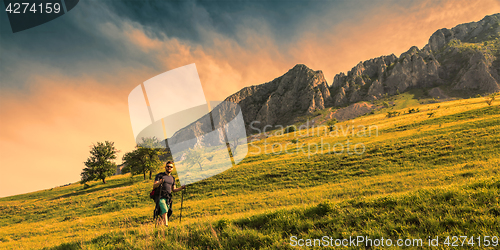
(412, 176)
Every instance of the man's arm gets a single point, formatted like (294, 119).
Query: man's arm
(177, 189)
(157, 183)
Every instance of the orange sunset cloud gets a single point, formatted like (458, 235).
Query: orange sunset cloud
(226, 67)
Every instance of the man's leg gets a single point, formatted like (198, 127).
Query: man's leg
(163, 211)
(157, 214)
(163, 220)
(169, 213)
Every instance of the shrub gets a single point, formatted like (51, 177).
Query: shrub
(490, 99)
(289, 129)
(392, 114)
(331, 123)
(412, 110)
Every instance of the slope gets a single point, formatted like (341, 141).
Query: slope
(411, 167)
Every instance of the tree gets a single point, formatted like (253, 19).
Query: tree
(99, 164)
(195, 157)
(145, 158)
(233, 145)
(490, 99)
(289, 129)
(392, 114)
(331, 123)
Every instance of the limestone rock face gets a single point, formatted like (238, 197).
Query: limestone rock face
(465, 57)
(474, 32)
(478, 74)
(363, 82)
(299, 92)
(376, 90)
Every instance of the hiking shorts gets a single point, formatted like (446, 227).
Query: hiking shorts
(164, 207)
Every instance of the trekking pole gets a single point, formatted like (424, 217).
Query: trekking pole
(157, 202)
(182, 199)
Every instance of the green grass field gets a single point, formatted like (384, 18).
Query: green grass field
(416, 177)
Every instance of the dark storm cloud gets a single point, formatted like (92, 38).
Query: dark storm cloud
(77, 44)
(190, 19)
(74, 44)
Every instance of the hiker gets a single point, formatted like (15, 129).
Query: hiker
(167, 183)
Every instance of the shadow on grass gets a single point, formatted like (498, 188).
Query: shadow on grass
(104, 241)
(66, 246)
(95, 188)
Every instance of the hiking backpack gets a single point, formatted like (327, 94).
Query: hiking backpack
(155, 193)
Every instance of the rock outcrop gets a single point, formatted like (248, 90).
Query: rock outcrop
(465, 58)
(299, 92)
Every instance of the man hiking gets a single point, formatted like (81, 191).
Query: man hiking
(167, 183)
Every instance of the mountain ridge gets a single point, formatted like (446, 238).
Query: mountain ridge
(465, 58)
(452, 57)
(299, 91)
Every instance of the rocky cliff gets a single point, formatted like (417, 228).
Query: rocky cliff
(299, 92)
(464, 58)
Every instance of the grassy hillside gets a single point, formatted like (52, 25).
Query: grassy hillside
(418, 175)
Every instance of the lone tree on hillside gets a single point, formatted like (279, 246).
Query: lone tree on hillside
(490, 99)
(99, 164)
(145, 158)
(195, 157)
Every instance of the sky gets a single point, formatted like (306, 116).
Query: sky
(64, 84)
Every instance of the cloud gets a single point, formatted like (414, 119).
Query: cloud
(382, 31)
(254, 54)
(84, 41)
(49, 124)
